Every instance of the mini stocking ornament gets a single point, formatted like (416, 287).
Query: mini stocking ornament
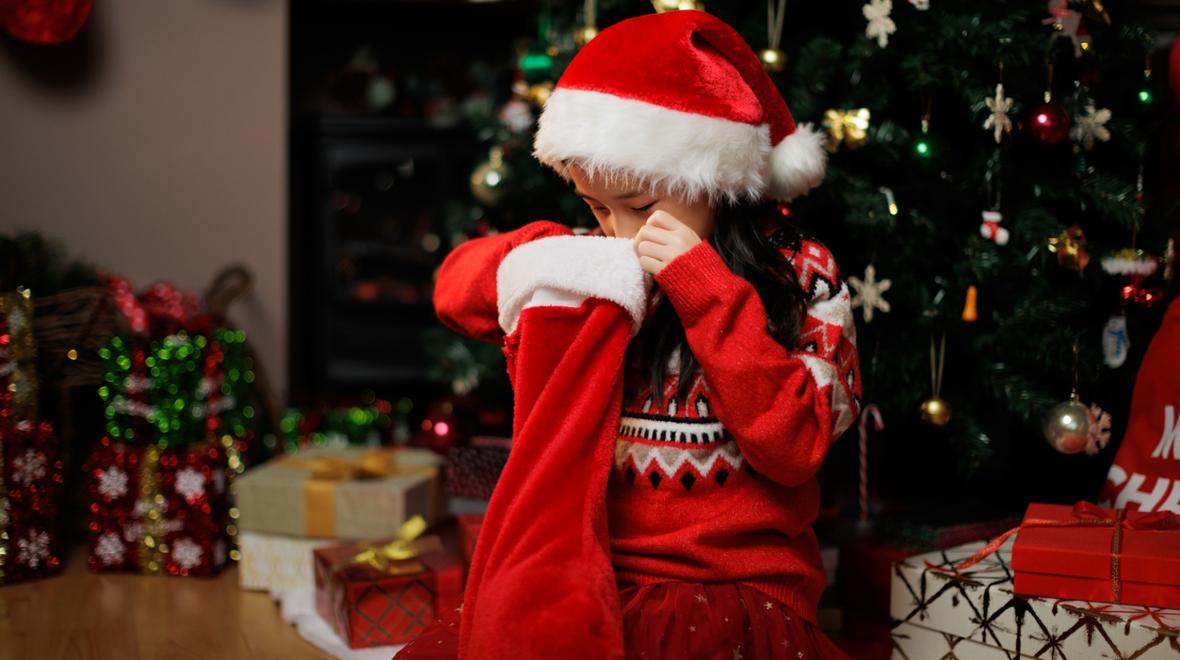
(991, 229)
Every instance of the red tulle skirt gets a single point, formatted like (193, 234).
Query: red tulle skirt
(683, 621)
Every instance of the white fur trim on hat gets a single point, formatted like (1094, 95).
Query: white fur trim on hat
(798, 163)
(565, 270)
(692, 155)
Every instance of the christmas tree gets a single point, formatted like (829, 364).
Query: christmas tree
(988, 197)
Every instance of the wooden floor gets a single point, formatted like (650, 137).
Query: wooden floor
(84, 615)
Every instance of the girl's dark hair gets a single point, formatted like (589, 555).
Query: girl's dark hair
(738, 238)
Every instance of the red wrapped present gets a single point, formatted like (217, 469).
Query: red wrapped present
(158, 511)
(473, 470)
(469, 524)
(387, 594)
(30, 486)
(1090, 553)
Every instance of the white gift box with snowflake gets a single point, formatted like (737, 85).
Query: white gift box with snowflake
(975, 613)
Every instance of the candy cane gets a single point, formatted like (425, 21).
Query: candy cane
(878, 425)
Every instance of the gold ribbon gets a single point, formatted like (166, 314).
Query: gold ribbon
(850, 127)
(17, 308)
(395, 557)
(319, 491)
(152, 547)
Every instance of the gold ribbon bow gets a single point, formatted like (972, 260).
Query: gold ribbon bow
(850, 127)
(319, 490)
(372, 464)
(393, 557)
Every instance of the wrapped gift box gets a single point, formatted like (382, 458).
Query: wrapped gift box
(158, 511)
(277, 563)
(979, 605)
(30, 487)
(341, 493)
(912, 642)
(1093, 553)
(474, 469)
(372, 600)
(469, 524)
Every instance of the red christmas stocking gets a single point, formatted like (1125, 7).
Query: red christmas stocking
(1145, 475)
(541, 583)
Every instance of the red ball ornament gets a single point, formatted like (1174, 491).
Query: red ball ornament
(1048, 122)
(44, 22)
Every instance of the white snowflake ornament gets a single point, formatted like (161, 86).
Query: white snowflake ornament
(29, 467)
(1099, 434)
(998, 120)
(112, 483)
(33, 550)
(186, 553)
(880, 25)
(1091, 126)
(869, 293)
(517, 116)
(190, 483)
(110, 549)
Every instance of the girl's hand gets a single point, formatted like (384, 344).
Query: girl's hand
(662, 239)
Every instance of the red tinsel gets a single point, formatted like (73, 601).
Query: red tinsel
(191, 497)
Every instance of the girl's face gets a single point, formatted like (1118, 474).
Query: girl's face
(621, 212)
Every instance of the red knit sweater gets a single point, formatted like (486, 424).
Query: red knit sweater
(721, 486)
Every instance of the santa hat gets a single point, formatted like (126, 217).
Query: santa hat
(679, 99)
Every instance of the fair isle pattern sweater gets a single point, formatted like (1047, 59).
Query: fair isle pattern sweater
(720, 487)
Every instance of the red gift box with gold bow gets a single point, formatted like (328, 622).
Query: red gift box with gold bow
(1086, 552)
(387, 593)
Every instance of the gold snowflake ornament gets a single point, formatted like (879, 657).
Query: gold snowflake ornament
(998, 120)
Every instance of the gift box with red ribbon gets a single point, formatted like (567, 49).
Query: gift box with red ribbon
(387, 593)
(1091, 553)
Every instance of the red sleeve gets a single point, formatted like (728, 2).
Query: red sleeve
(784, 407)
(465, 283)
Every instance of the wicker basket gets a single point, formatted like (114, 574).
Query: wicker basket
(70, 327)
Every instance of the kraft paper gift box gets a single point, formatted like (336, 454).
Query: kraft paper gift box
(343, 493)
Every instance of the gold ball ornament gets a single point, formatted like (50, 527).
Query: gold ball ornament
(487, 181)
(1067, 426)
(583, 35)
(936, 411)
(773, 59)
(673, 5)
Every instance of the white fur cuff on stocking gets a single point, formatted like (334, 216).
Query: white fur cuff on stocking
(565, 270)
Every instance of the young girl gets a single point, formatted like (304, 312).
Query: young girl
(745, 368)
